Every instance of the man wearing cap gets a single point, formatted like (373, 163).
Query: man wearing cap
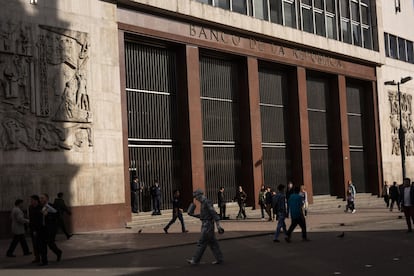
(208, 217)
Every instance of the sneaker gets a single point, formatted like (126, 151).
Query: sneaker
(165, 230)
(353, 211)
(191, 262)
(216, 262)
(263, 219)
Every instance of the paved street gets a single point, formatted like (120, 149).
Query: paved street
(375, 243)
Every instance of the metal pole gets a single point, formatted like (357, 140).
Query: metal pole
(401, 133)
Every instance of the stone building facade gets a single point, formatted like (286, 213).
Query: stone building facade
(193, 94)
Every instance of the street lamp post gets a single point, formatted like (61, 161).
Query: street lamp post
(401, 131)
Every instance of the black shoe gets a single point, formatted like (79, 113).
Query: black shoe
(69, 236)
(59, 256)
(185, 231)
(27, 254)
(10, 255)
(43, 264)
(276, 240)
(165, 230)
(305, 240)
(35, 261)
(287, 239)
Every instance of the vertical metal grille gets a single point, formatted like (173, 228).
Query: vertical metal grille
(317, 94)
(220, 115)
(272, 89)
(152, 118)
(354, 96)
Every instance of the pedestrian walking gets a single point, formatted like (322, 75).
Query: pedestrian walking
(280, 210)
(297, 215)
(268, 203)
(47, 232)
(352, 190)
(60, 205)
(18, 222)
(208, 217)
(35, 223)
(240, 198)
(394, 196)
(221, 202)
(349, 202)
(177, 212)
(156, 198)
(407, 202)
(386, 194)
(135, 195)
(289, 192)
(262, 200)
(304, 195)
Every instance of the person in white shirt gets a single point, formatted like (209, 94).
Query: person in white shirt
(18, 230)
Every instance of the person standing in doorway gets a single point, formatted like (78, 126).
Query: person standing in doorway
(407, 202)
(280, 210)
(60, 205)
(18, 229)
(297, 215)
(394, 196)
(208, 217)
(221, 202)
(240, 198)
(262, 201)
(177, 213)
(156, 198)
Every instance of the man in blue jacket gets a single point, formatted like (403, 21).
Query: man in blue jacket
(296, 214)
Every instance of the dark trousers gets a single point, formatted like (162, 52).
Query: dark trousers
(262, 208)
(295, 222)
(156, 202)
(394, 200)
(35, 245)
(176, 215)
(242, 210)
(223, 211)
(46, 238)
(18, 239)
(269, 210)
(134, 201)
(350, 205)
(61, 224)
(409, 216)
(387, 200)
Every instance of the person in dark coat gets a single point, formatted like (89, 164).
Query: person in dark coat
(47, 232)
(240, 198)
(156, 198)
(407, 202)
(135, 195)
(177, 213)
(221, 202)
(268, 202)
(35, 223)
(60, 206)
(394, 196)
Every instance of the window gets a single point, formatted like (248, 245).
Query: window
(355, 11)
(364, 15)
(239, 6)
(276, 11)
(290, 13)
(393, 46)
(260, 9)
(319, 4)
(330, 6)
(205, 1)
(346, 32)
(366, 32)
(331, 26)
(410, 52)
(319, 23)
(224, 4)
(307, 19)
(356, 34)
(401, 49)
(344, 8)
(387, 49)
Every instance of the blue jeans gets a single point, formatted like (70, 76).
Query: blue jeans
(280, 224)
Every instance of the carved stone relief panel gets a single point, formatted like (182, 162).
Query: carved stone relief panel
(407, 122)
(44, 99)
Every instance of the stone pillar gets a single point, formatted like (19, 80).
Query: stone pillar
(253, 127)
(339, 135)
(191, 126)
(299, 132)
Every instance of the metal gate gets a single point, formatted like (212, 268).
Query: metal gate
(273, 100)
(318, 93)
(152, 118)
(354, 96)
(220, 119)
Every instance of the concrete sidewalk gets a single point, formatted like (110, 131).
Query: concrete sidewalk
(128, 240)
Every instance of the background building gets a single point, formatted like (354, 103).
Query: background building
(194, 94)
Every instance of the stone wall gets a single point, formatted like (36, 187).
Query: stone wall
(60, 109)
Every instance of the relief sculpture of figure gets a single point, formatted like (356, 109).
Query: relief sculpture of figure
(16, 134)
(68, 103)
(49, 137)
(395, 145)
(82, 99)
